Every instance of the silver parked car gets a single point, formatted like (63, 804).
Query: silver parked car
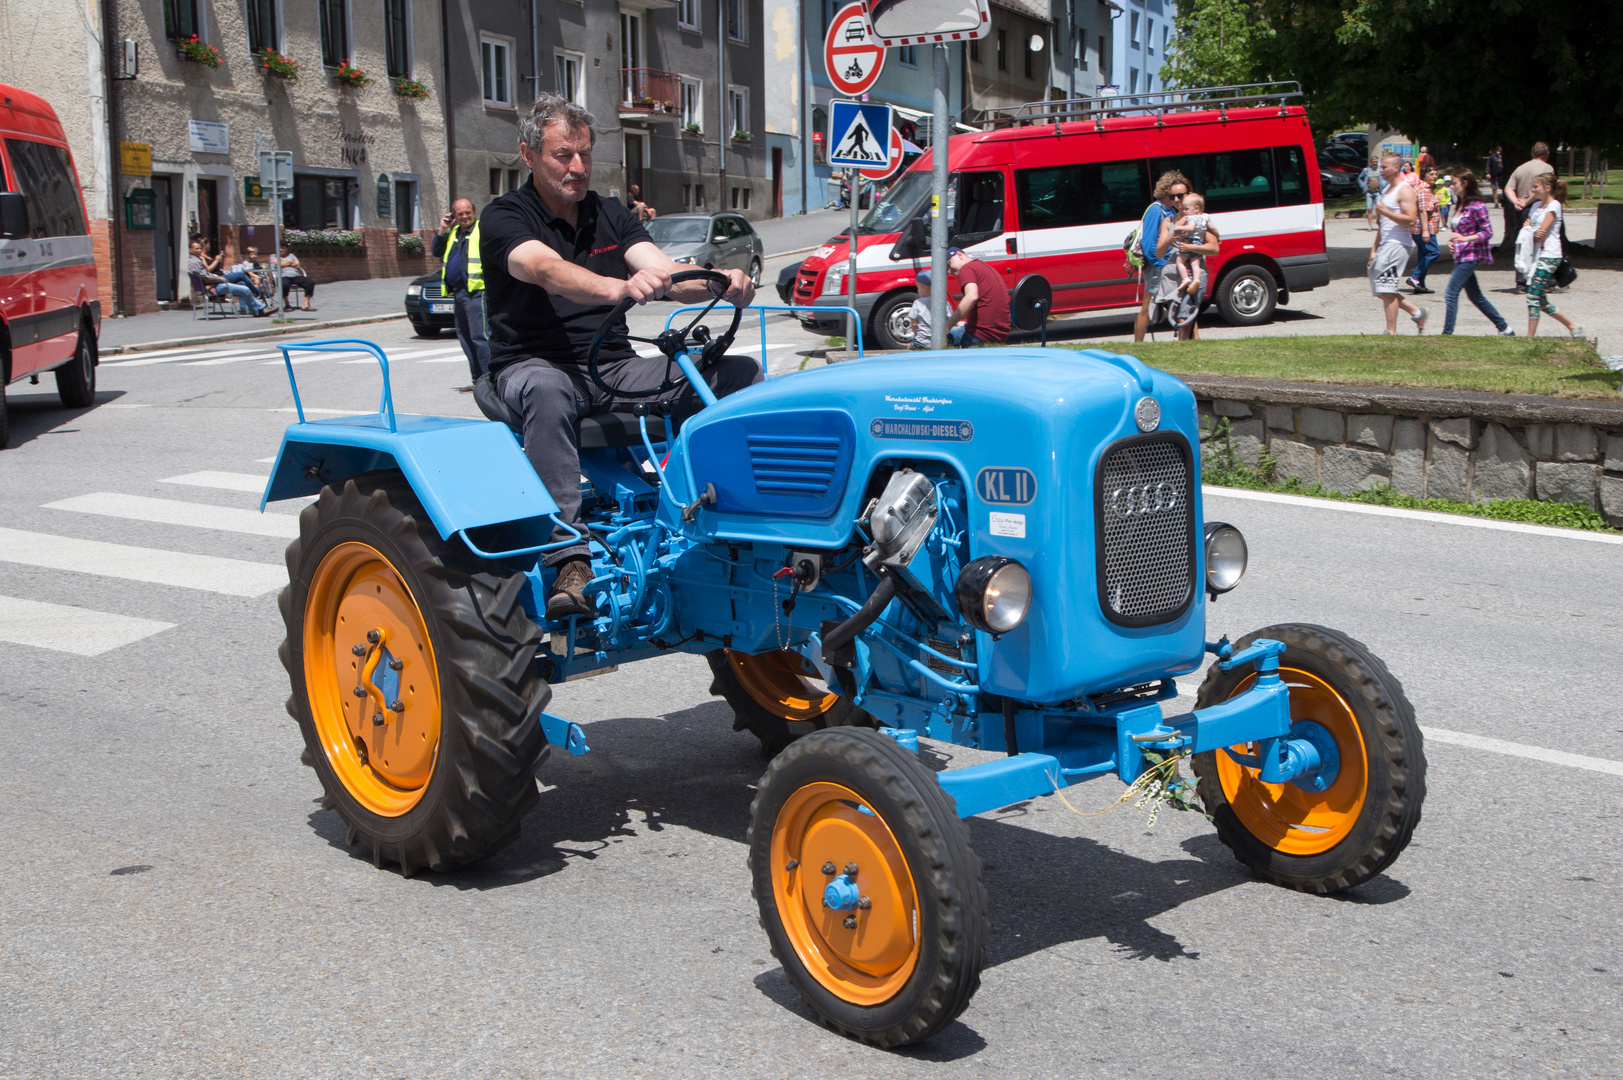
(711, 241)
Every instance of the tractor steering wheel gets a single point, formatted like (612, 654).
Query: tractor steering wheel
(670, 342)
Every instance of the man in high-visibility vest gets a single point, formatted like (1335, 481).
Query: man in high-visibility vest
(458, 244)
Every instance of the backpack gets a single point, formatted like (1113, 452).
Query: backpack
(1132, 251)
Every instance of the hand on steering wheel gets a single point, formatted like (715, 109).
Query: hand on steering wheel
(671, 341)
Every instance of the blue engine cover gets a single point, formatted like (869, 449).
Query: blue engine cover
(1025, 430)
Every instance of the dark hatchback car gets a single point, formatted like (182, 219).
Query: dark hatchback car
(429, 307)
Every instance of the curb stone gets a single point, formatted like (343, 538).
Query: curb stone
(245, 335)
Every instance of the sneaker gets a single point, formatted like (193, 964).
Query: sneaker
(1420, 321)
(1507, 332)
(1577, 331)
(569, 591)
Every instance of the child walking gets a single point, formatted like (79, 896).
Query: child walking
(1540, 251)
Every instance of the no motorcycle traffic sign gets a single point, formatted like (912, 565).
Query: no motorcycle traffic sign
(854, 60)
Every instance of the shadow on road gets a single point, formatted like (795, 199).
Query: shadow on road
(42, 413)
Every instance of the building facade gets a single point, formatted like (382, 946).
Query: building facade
(360, 114)
(1081, 55)
(1143, 32)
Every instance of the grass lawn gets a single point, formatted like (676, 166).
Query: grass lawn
(1612, 193)
(1552, 367)
(1346, 202)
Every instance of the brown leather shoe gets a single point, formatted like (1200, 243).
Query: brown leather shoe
(569, 592)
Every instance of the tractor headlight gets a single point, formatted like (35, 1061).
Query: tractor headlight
(1225, 557)
(994, 594)
(414, 290)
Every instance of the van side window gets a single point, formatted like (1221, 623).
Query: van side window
(1230, 180)
(45, 177)
(1066, 195)
(1291, 174)
(978, 209)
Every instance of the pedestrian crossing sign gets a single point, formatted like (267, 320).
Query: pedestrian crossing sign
(859, 134)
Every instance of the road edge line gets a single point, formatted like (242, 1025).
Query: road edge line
(1515, 749)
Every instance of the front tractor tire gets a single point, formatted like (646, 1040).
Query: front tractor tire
(777, 700)
(901, 956)
(413, 676)
(1330, 840)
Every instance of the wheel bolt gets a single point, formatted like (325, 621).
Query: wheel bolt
(359, 650)
(851, 869)
(864, 902)
(396, 665)
(828, 868)
(372, 636)
(378, 720)
(360, 691)
(790, 865)
(850, 922)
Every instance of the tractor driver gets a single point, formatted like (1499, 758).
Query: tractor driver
(557, 258)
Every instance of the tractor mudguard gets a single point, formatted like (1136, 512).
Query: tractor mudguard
(468, 474)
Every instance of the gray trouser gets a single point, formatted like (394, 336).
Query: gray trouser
(552, 398)
(470, 332)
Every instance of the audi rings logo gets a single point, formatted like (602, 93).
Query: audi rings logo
(1142, 500)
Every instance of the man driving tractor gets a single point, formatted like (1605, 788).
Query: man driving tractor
(557, 259)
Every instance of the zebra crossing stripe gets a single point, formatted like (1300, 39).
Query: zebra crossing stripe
(176, 512)
(209, 573)
(70, 629)
(147, 359)
(225, 481)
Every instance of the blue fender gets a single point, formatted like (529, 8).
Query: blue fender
(468, 474)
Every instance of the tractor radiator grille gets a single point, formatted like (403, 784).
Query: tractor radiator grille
(1146, 533)
(793, 464)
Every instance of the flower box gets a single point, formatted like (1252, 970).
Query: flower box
(410, 89)
(198, 52)
(348, 75)
(275, 64)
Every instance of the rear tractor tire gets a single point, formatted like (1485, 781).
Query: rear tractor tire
(851, 813)
(777, 700)
(414, 681)
(1329, 840)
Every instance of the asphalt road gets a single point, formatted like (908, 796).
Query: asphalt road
(174, 902)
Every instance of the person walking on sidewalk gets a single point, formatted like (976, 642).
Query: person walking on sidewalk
(1472, 244)
(1389, 254)
(457, 242)
(1424, 230)
(1519, 197)
(1370, 181)
(1544, 214)
(1496, 172)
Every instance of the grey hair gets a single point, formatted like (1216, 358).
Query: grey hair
(552, 109)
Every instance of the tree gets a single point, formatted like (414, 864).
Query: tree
(1469, 72)
(1215, 45)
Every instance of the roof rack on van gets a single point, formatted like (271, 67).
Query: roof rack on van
(1197, 99)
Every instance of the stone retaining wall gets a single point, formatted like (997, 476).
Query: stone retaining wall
(1429, 444)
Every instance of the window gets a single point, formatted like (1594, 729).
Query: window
(1080, 53)
(909, 55)
(1104, 59)
(334, 18)
(44, 175)
(262, 19)
(721, 223)
(692, 103)
(180, 19)
(495, 181)
(1149, 37)
(976, 205)
(1064, 196)
(975, 50)
(397, 38)
(698, 196)
(687, 195)
(738, 110)
(496, 64)
(1149, 83)
(737, 23)
(405, 205)
(1133, 38)
(570, 85)
(512, 180)
(1132, 80)
(1028, 55)
(1002, 52)
(1290, 175)
(630, 55)
(1164, 33)
(1231, 180)
(687, 14)
(820, 136)
(319, 202)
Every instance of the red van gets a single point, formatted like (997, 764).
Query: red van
(1056, 192)
(50, 316)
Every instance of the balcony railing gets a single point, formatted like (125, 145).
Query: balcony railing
(647, 93)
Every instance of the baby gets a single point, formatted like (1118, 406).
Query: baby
(919, 313)
(1190, 227)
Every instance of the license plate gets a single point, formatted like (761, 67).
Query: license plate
(442, 309)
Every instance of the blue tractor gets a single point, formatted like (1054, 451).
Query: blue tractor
(1000, 548)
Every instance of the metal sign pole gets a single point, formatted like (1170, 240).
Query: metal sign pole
(939, 135)
(851, 253)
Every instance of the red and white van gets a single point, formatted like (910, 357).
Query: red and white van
(50, 316)
(1056, 196)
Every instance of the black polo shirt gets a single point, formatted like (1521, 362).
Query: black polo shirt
(524, 320)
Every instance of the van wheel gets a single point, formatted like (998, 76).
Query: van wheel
(76, 380)
(1246, 296)
(892, 329)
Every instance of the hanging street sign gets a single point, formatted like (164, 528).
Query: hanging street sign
(854, 60)
(859, 135)
(887, 170)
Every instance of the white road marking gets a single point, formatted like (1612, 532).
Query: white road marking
(1515, 749)
(233, 577)
(330, 412)
(265, 461)
(146, 359)
(226, 481)
(216, 361)
(70, 629)
(1414, 515)
(175, 512)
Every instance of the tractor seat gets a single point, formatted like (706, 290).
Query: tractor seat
(601, 431)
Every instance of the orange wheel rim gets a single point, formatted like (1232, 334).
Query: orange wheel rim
(868, 965)
(1286, 817)
(779, 684)
(357, 594)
